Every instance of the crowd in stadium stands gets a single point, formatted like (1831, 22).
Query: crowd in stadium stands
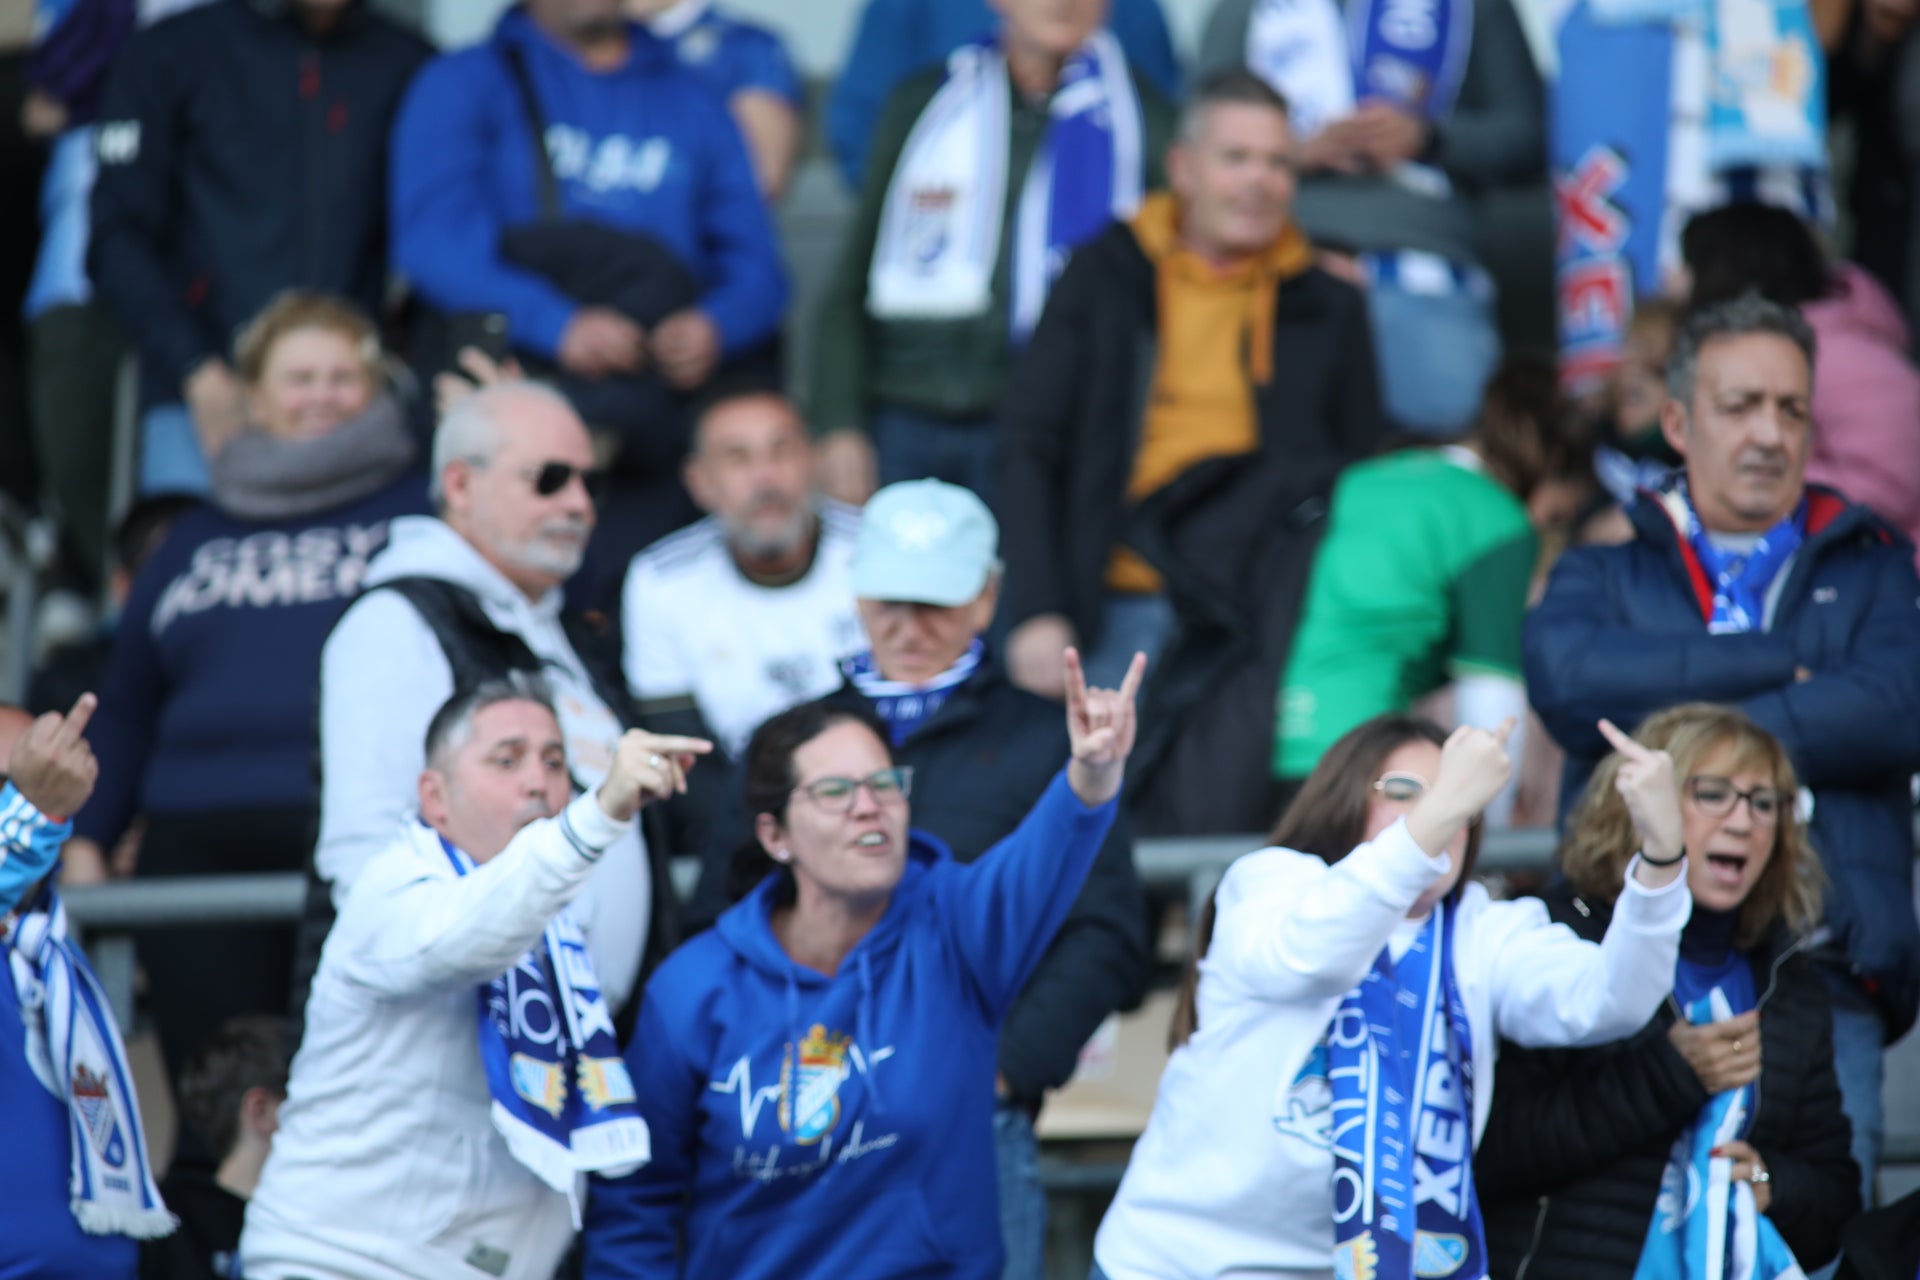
(1168, 451)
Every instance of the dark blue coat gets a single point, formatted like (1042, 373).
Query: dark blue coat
(1622, 633)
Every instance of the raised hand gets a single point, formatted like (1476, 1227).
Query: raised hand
(1645, 781)
(52, 765)
(1474, 765)
(648, 767)
(1100, 727)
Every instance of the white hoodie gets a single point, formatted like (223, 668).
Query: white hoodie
(387, 1165)
(382, 677)
(1234, 1175)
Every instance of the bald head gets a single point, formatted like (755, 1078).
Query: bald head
(493, 457)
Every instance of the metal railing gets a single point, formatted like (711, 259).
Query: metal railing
(104, 912)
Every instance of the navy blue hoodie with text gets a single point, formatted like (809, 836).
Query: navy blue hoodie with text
(812, 1126)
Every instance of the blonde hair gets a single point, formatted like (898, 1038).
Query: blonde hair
(1601, 842)
(291, 310)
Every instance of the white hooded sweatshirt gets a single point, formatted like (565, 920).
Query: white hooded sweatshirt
(387, 1165)
(382, 677)
(1234, 1175)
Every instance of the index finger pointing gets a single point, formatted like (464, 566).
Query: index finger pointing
(669, 744)
(1504, 731)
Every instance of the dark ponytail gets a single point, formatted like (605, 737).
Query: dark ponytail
(771, 778)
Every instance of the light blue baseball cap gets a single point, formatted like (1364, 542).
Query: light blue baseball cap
(927, 542)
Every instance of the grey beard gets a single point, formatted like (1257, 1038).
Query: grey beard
(751, 546)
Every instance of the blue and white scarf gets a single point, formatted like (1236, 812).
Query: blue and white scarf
(1726, 85)
(904, 707)
(74, 1049)
(1705, 1225)
(1740, 580)
(562, 1097)
(1400, 1066)
(940, 228)
(1411, 54)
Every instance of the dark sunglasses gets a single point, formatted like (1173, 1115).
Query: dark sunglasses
(550, 478)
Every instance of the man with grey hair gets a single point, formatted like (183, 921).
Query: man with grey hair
(460, 1074)
(1745, 585)
(466, 596)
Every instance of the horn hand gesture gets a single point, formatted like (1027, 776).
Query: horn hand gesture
(1100, 726)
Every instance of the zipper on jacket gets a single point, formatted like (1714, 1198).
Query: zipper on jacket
(1773, 981)
(1533, 1246)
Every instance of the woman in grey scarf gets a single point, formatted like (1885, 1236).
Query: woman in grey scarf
(209, 735)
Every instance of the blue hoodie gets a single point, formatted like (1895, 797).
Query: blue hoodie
(645, 147)
(875, 1156)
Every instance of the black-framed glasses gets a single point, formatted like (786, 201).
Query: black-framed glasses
(1716, 798)
(550, 478)
(836, 795)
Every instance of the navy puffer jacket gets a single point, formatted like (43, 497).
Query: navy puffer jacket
(1622, 633)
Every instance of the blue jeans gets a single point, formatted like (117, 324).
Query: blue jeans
(1132, 624)
(170, 457)
(913, 446)
(1435, 353)
(1859, 1048)
(1023, 1203)
(60, 270)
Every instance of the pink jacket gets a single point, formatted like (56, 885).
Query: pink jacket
(1866, 401)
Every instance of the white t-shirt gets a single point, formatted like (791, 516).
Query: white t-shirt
(695, 626)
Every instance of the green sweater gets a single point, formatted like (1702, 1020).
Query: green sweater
(1422, 578)
(950, 368)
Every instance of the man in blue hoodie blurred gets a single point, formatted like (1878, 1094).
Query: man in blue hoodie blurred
(632, 252)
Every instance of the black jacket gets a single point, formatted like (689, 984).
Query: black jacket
(1233, 538)
(239, 156)
(1570, 1164)
(979, 764)
(1884, 1244)
(1621, 633)
(1075, 403)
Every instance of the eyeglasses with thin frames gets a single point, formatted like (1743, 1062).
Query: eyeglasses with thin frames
(1407, 788)
(837, 795)
(1716, 797)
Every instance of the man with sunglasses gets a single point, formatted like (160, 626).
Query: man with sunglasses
(980, 752)
(469, 596)
(1745, 585)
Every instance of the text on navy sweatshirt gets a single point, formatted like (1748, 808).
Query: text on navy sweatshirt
(210, 700)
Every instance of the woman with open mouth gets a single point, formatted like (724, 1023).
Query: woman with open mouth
(1718, 1126)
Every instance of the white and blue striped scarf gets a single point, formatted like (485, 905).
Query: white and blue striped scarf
(1705, 1225)
(74, 1049)
(940, 229)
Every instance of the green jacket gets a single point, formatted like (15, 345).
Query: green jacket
(952, 369)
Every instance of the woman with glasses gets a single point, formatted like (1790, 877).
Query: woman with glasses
(817, 1071)
(1729, 1092)
(1333, 1053)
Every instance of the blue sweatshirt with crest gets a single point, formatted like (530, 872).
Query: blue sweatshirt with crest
(646, 146)
(805, 1125)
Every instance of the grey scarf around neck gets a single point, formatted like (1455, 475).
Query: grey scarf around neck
(262, 477)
